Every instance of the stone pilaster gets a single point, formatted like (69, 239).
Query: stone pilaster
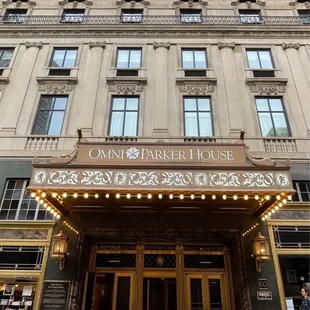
(180, 276)
(160, 125)
(138, 299)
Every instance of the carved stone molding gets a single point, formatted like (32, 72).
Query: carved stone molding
(126, 85)
(97, 44)
(132, 2)
(19, 3)
(29, 44)
(161, 44)
(196, 86)
(190, 2)
(222, 45)
(285, 46)
(249, 3)
(295, 3)
(56, 85)
(75, 3)
(3, 82)
(267, 86)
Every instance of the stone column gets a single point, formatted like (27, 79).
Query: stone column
(138, 299)
(14, 95)
(180, 276)
(233, 95)
(160, 125)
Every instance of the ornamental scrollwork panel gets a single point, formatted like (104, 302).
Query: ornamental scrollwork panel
(161, 179)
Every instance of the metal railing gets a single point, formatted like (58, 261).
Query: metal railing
(159, 20)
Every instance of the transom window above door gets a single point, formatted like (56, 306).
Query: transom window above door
(194, 58)
(128, 58)
(198, 117)
(272, 117)
(124, 116)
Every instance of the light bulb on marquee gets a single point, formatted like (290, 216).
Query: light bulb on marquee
(181, 196)
(256, 197)
(96, 196)
(75, 195)
(33, 195)
(54, 195)
(128, 196)
(273, 211)
(289, 197)
(85, 195)
(117, 195)
(160, 196)
(58, 216)
(171, 196)
(64, 195)
(213, 197)
(203, 196)
(267, 197)
(269, 213)
(107, 195)
(41, 202)
(43, 195)
(149, 196)
(278, 197)
(276, 207)
(224, 197)
(37, 198)
(246, 197)
(45, 205)
(192, 196)
(48, 208)
(263, 219)
(266, 216)
(52, 211)
(235, 197)
(139, 196)
(284, 201)
(280, 204)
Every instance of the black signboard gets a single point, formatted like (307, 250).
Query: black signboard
(262, 284)
(264, 295)
(55, 295)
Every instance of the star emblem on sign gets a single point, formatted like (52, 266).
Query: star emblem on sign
(132, 153)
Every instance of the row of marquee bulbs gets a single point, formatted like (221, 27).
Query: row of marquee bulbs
(160, 196)
(275, 207)
(48, 207)
(71, 227)
(250, 229)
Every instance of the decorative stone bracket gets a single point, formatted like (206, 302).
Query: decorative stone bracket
(132, 2)
(29, 44)
(19, 2)
(190, 2)
(75, 3)
(295, 3)
(222, 45)
(161, 44)
(264, 86)
(285, 46)
(196, 86)
(97, 44)
(249, 3)
(125, 85)
(3, 82)
(56, 85)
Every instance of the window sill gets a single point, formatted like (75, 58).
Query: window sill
(126, 85)
(267, 86)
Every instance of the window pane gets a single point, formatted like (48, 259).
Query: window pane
(70, 58)
(205, 124)
(46, 103)
(253, 60)
(58, 58)
(191, 125)
(19, 184)
(200, 59)
(132, 104)
(190, 104)
(266, 125)
(280, 124)
(56, 123)
(22, 215)
(262, 104)
(196, 294)
(131, 124)
(30, 215)
(42, 121)
(8, 194)
(265, 59)
(188, 59)
(5, 57)
(122, 59)
(204, 104)
(11, 184)
(116, 127)
(215, 294)
(60, 103)
(17, 194)
(275, 104)
(118, 104)
(135, 57)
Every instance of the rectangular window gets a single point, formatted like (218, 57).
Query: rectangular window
(124, 116)
(15, 16)
(302, 189)
(305, 16)
(198, 117)
(50, 115)
(5, 56)
(272, 117)
(17, 203)
(63, 57)
(128, 58)
(250, 16)
(190, 16)
(194, 58)
(259, 59)
(73, 16)
(131, 16)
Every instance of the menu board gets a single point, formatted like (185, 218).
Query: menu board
(55, 295)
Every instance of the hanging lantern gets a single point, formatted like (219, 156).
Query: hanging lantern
(260, 251)
(59, 249)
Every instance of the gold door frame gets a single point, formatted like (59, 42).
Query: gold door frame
(276, 252)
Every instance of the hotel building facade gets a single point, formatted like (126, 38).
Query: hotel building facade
(154, 154)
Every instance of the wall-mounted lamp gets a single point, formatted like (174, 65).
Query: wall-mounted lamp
(59, 249)
(260, 250)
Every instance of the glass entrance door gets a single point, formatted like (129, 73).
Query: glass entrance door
(159, 294)
(207, 291)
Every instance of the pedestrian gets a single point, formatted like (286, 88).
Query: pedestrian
(305, 303)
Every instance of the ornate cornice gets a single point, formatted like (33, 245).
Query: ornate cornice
(249, 3)
(126, 85)
(285, 46)
(29, 44)
(267, 86)
(161, 44)
(196, 86)
(132, 2)
(222, 45)
(56, 85)
(295, 3)
(97, 44)
(190, 2)
(74, 3)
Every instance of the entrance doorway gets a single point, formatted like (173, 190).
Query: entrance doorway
(159, 294)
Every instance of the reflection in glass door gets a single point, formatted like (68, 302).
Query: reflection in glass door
(207, 292)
